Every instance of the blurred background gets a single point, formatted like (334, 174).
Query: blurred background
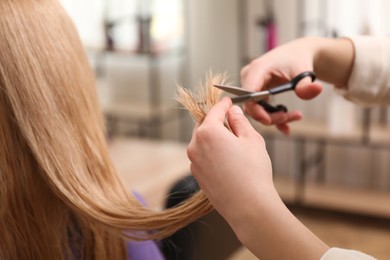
(332, 171)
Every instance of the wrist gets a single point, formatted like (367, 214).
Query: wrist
(268, 224)
(333, 60)
(255, 209)
(318, 48)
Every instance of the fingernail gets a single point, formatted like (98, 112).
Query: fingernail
(237, 110)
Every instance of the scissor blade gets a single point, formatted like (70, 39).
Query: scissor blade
(233, 90)
(255, 97)
(243, 98)
(243, 95)
(260, 95)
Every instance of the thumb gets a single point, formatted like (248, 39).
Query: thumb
(307, 89)
(239, 124)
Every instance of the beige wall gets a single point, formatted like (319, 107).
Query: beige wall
(213, 38)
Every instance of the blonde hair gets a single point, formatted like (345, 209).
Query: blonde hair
(58, 186)
(198, 103)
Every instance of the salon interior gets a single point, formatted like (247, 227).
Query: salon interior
(332, 171)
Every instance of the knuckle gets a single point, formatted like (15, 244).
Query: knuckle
(238, 119)
(203, 134)
(192, 169)
(258, 138)
(190, 152)
(244, 71)
(256, 63)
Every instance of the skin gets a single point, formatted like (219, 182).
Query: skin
(234, 169)
(330, 59)
(239, 184)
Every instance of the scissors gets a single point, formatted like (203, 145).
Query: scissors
(260, 96)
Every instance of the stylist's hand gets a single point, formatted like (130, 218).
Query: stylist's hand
(232, 168)
(276, 67)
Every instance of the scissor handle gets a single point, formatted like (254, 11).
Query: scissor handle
(292, 83)
(305, 74)
(285, 87)
(272, 109)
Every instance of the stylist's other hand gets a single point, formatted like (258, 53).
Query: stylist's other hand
(232, 168)
(277, 67)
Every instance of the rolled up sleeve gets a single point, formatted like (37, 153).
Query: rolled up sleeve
(369, 82)
(335, 253)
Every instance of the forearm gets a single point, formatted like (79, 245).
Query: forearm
(333, 59)
(271, 231)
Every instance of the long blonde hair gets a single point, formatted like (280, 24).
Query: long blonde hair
(58, 187)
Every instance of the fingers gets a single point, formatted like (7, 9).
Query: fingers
(308, 90)
(238, 123)
(257, 75)
(218, 112)
(304, 90)
(258, 113)
(252, 78)
(282, 117)
(284, 128)
(215, 117)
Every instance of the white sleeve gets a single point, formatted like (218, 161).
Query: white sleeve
(369, 82)
(335, 253)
